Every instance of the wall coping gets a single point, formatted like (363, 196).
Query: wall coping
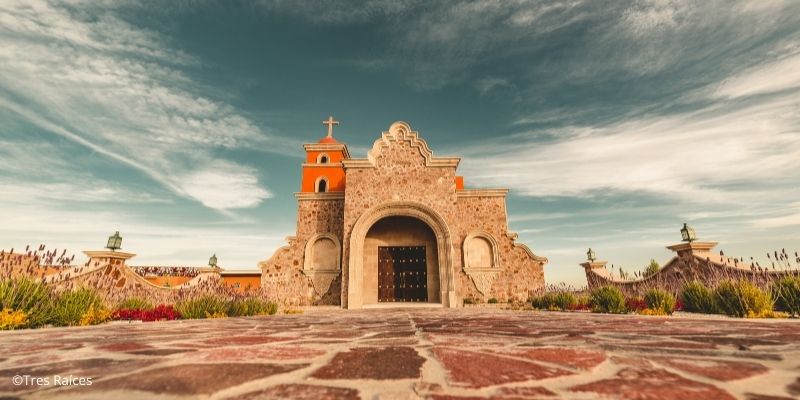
(319, 196)
(481, 192)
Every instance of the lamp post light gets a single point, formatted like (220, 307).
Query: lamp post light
(114, 242)
(688, 234)
(590, 255)
(212, 262)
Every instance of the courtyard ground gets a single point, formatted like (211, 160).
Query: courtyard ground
(410, 353)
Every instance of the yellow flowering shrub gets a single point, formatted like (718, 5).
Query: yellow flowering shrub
(95, 315)
(10, 319)
(216, 315)
(653, 311)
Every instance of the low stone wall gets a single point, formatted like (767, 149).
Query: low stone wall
(116, 282)
(692, 263)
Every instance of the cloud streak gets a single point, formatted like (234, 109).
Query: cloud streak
(83, 73)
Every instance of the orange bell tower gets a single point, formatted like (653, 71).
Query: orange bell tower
(323, 171)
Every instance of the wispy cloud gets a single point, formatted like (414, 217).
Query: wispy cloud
(691, 156)
(765, 78)
(791, 218)
(82, 72)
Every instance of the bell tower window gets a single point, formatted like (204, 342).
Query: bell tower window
(322, 185)
(323, 159)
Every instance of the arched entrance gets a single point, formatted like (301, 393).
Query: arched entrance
(400, 262)
(408, 226)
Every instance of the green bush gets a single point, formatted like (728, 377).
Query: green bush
(206, 306)
(71, 306)
(564, 301)
(652, 268)
(544, 302)
(786, 293)
(29, 296)
(608, 299)
(134, 303)
(555, 301)
(743, 299)
(698, 298)
(251, 306)
(660, 301)
(493, 300)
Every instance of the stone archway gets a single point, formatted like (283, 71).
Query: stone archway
(427, 215)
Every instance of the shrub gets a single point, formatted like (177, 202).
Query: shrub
(582, 302)
(660, 301)
(696, 297)
(134, 303)
(71, 306)
(205, 306)
(26, 295)
(159, 313)
(564, 301)
(786, 292)
(95, 315)
(469, 300)
(607, 299)
(493, 300)
(635, 304)
(743, 299)
(251, 306)
(651, 268)
(10, 319)
(555, 301)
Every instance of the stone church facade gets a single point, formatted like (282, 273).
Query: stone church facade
(397, 226)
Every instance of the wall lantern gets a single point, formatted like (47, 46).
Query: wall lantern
(688, 234)
(114, 242)
(212, 262)
(590, 255)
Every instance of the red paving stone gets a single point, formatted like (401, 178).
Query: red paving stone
(646, 384)
(413, 353)
(373, 363)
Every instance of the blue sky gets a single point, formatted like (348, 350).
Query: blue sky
(181, 123)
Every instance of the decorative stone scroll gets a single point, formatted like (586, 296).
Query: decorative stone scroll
(481, 260)
(322, 261)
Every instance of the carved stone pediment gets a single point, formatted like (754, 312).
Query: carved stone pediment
(483, 278)
(322, 279)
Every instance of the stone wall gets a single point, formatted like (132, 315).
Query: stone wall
(115, 281)
(694, 262)
(283, 277)
(520, 272)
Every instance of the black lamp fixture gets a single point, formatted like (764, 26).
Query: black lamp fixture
(212, 262)
(114, 242)
(590, 255)
(688, 234)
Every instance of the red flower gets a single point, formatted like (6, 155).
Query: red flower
(161, 312)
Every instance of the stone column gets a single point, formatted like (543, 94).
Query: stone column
(688, 250)
(107, 256)
(596, 273)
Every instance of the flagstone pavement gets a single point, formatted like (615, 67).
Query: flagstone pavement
(408, 354)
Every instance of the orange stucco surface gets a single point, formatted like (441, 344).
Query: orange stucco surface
(167, 280)
(334, 173)
(245, 281)
(334, 156)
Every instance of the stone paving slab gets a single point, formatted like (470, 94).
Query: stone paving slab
(410, 354)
